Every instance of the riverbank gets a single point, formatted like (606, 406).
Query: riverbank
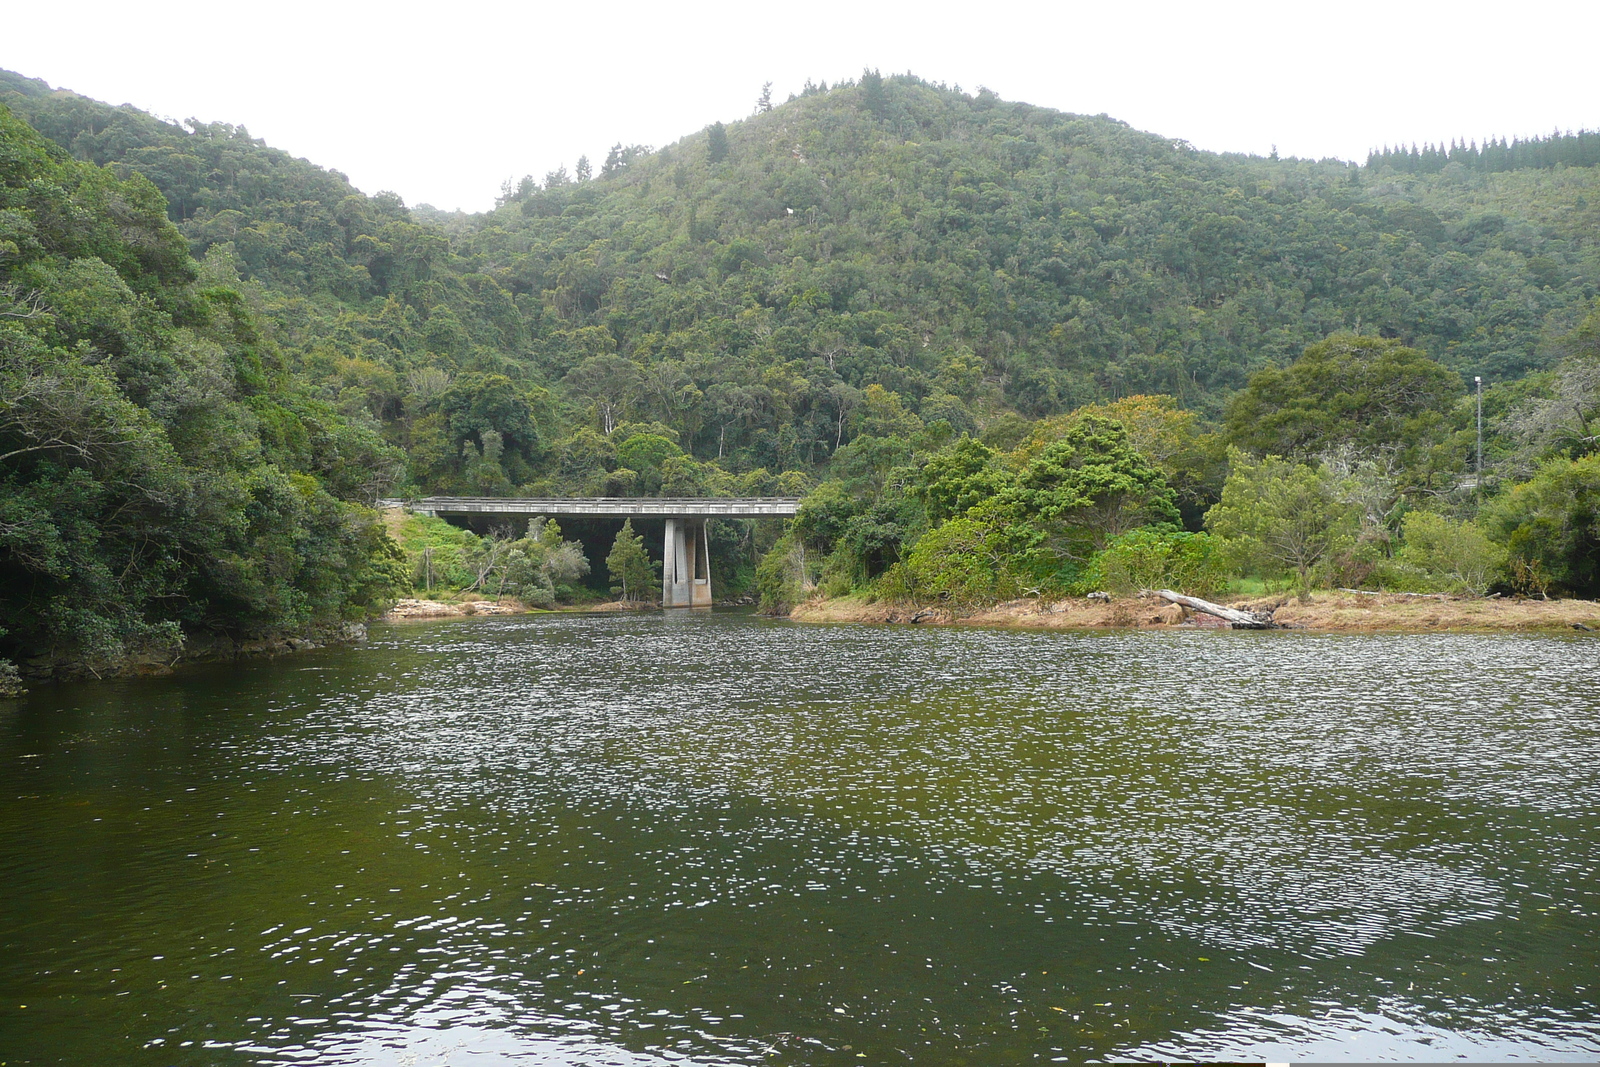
(1328, 612)
(195, 649)
(408, 609)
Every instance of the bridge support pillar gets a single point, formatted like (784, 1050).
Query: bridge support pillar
(686, 565)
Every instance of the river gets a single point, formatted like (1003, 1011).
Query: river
(720, 839)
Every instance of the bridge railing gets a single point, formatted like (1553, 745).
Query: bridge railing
(605, 507)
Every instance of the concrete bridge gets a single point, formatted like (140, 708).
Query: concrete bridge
(686, 556)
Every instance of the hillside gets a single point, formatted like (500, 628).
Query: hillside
(164, 476)
(971, 254)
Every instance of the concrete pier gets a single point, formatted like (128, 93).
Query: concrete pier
(686, 565)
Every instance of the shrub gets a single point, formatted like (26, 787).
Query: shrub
(1458, 556)
(1283, 517)
(1551, 525)
(1191, 563)
(781, 578)
(10, 680)
(961, 562)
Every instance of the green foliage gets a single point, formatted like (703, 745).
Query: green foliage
(869, 543)
(1581, 149)
(537, 568)
(1560, 413)
(964, 562)
(1362, 392)
(437, 553)
(1456, 556)
(716, 143)
(958, 478)
(10, 681)
(965, 254)
(1551, 526)
(633, 577)
(783, 575)
(1191, 563)
(905, 269)
(1075, 495)
(159, 470)
(1283, 516)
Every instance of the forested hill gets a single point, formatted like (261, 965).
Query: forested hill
(742, 286)
(164, 473)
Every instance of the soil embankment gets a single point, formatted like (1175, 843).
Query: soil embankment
(409, 609)
(1326, 612)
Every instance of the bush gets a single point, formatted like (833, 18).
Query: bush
(1457, 556)
(1191, 563)
(1282, 517)
(781, 579)
(10, 680)
(1551, 526)
(960, 563)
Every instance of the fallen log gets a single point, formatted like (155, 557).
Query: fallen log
(1239, 620)
(1414, 596)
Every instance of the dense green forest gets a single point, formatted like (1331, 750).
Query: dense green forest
(164, 473)
(864, 281)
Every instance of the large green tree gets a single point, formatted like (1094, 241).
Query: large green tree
(1551, 525)
(1365, 392)
(1078, 493)
(1283, 516)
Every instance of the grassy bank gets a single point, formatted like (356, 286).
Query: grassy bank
(1330, 612)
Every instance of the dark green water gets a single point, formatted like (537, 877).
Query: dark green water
(719, 839)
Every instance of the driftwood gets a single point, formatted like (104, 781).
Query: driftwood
(1239, 620)
(1414, 596)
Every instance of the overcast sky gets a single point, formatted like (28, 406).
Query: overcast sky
(441, 102)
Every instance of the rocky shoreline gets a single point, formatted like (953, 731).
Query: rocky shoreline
(214, 648)
(1336, 612)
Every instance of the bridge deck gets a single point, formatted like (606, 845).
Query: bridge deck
(606, 507)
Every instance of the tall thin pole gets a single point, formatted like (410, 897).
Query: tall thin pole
(1479, 382)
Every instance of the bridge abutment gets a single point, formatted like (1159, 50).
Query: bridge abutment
(686, 565)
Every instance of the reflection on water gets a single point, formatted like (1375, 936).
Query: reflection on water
(720, 839)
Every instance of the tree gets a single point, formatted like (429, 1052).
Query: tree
(1083, 490)
(610, 383)
(964, 563)
(583, 171)
(536, 566)
(1159, 559)
(764, 101)
(1282, 514)
(633, 577)
(1565, 415)
(1552, 523)
(958, 478)
(1366, 391)
(873, 97)
(716, 143)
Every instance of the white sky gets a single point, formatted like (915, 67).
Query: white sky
(441, 102)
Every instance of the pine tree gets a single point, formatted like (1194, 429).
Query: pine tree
(873, 98)
(716, 142)
(633, 576)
